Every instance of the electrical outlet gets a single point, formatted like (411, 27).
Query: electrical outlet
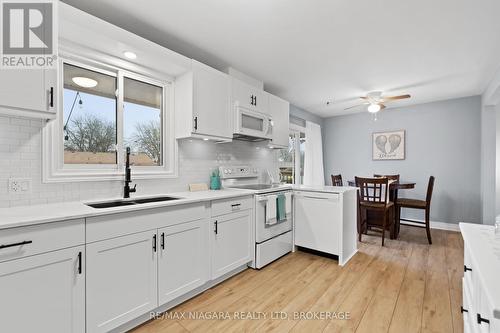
(19, 185)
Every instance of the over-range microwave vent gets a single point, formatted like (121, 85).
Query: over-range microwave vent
(248, 138)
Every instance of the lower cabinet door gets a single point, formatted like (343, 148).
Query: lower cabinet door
(44, 293)
(183, 259)
(231, 242)
(121, 280)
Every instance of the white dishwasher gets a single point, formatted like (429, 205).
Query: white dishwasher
(326, 222)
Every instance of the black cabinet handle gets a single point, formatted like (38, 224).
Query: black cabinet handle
(79, 262)
(4, 246)
(154, 243)
(235, 205)
(481, 319)
(467, 269)
(255, 101)
(251, 100)
(216, 227)
(195, 123)
(163, 241)
(463, 310)
(51, 97)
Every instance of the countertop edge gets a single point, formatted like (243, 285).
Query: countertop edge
(86, 211)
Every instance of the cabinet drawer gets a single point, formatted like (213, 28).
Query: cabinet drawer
(469, 273)
(26, 241)
(226, 206)
(121, 224)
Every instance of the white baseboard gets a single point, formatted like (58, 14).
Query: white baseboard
(438, 225)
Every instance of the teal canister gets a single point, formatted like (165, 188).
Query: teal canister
(215, 180)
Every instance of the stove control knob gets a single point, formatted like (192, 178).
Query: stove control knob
(225, 171)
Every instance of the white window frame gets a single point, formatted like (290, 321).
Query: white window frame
(296, 130)
(53, 167)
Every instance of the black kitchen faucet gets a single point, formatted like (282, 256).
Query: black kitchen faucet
(126, 189)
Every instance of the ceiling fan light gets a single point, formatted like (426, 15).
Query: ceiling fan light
(373, 108)
(84, 82)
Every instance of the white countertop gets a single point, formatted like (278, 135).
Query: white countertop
(37, 214)
(325, 189)
(485, 250)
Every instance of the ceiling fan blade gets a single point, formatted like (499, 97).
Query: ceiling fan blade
(393, 98)
(355, 106)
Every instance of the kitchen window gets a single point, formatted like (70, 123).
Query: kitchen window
(101, 111)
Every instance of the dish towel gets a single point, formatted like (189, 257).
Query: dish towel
(271, 210)
(281, 208)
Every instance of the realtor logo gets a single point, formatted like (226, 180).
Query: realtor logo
(28, 34)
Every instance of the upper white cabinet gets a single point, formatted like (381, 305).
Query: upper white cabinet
(50, 287)
(248, 96)
(280, 112)
(183, 259)
(121, 280)
(28, 92)
(202, 104)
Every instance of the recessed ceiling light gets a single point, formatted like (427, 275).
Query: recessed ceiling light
(130, 55)
(84, 82)
(205, 139)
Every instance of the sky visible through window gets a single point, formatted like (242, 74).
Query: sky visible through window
(100, 106)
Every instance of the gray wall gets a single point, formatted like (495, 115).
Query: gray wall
(306, 115)
(443, 139)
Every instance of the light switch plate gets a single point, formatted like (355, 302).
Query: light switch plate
(19, 185)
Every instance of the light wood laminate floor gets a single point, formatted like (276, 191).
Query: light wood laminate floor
(406, 286)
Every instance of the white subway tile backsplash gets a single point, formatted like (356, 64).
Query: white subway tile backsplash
(20, 156)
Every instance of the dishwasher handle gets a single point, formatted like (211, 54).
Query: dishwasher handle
(319, 196)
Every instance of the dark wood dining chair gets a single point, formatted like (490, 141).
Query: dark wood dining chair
(373, 196)
(337, 180)
(418, 204)
(390, 177)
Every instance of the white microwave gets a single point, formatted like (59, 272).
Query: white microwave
(252, 125)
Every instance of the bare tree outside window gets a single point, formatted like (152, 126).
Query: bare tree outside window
(90, 134)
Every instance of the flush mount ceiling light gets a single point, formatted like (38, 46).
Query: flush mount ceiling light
(373, 108)
(84, 82)
(130, 55)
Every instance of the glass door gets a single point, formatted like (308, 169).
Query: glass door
(291, 159)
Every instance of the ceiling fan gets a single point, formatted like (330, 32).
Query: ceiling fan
(376, 101)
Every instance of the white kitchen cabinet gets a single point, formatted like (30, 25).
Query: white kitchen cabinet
(183, 259)
(44, 293)
(248, 96)
(231, 242)
(280, 112)
(121, 280)
(481, 292)
(28, 92)
(202, 104)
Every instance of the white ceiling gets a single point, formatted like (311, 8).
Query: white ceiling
(312, 51)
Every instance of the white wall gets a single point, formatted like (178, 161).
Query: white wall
(443, 139)
(20, 156)
(490, 150)
(488, 163)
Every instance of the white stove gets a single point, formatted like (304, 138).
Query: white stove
(273, 238)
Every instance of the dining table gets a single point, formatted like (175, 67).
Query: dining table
(394, 187)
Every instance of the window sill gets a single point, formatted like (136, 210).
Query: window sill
(67, 176)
